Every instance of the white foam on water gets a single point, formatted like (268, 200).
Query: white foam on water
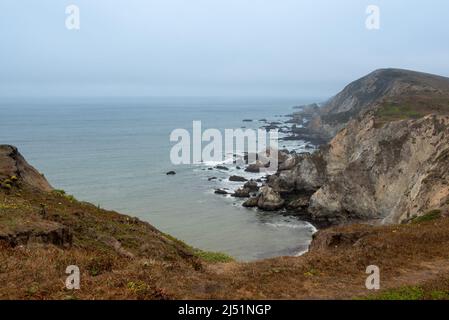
(300, 253)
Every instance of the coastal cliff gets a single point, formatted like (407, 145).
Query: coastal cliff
(387, 163)
(415, 92)
(43, 231)
(387, 160)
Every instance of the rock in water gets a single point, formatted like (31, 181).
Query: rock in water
(12, 164)
(222, 168)
(241, 193)
(237, 179)
(251, 202)
(171, 173)
(255, 167)
(251, 186)
(269, 199)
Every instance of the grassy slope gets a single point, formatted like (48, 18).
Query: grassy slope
(151, 265)
(412, 106)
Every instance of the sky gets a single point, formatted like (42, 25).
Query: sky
(291, 48)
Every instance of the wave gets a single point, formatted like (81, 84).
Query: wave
(304, 225)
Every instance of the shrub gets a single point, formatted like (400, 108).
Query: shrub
(62, 193)
(405, 293)
(429, 216)
(99, 265)
(214, 257)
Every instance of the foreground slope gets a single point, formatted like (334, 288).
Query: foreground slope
(120, 257)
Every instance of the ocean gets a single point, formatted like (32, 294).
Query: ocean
(115, 152)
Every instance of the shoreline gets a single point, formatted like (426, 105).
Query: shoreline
(287, 126)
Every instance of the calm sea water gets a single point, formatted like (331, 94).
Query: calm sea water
(115, 152)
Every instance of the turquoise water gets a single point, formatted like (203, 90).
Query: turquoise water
(115, 152)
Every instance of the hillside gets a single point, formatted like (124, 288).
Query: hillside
(120, 257)
(394, 94)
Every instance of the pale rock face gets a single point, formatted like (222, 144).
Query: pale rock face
(288, 163)
(391, 173)
(306, 175)
(269, 199)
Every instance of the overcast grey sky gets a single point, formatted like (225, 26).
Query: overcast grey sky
(213, 47)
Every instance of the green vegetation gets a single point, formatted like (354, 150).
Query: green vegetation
(429, 216)
(62, 193)
(439, 295)
(7, 184)
(405, 293)
(410, 293)
(212, 256)
(208, 256)
(99, 265)
(137, 287)
(397, 112)
(311, 273)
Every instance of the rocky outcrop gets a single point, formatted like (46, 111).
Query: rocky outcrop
(251, 186)
(328, 239)
(269, 199)
(237, 179)
(255, 167)
(389, 163)
(392, 173)
(241, 193)
(47, 232)
(13, 165)
(307, 175)
(221, 192)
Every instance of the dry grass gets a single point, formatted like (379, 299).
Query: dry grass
(147, 264)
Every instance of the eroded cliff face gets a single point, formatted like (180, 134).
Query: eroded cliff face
(392, 173)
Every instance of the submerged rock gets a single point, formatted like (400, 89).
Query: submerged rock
(171, 173)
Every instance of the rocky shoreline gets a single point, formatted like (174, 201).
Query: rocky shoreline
(256, 191)
(381, 154)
